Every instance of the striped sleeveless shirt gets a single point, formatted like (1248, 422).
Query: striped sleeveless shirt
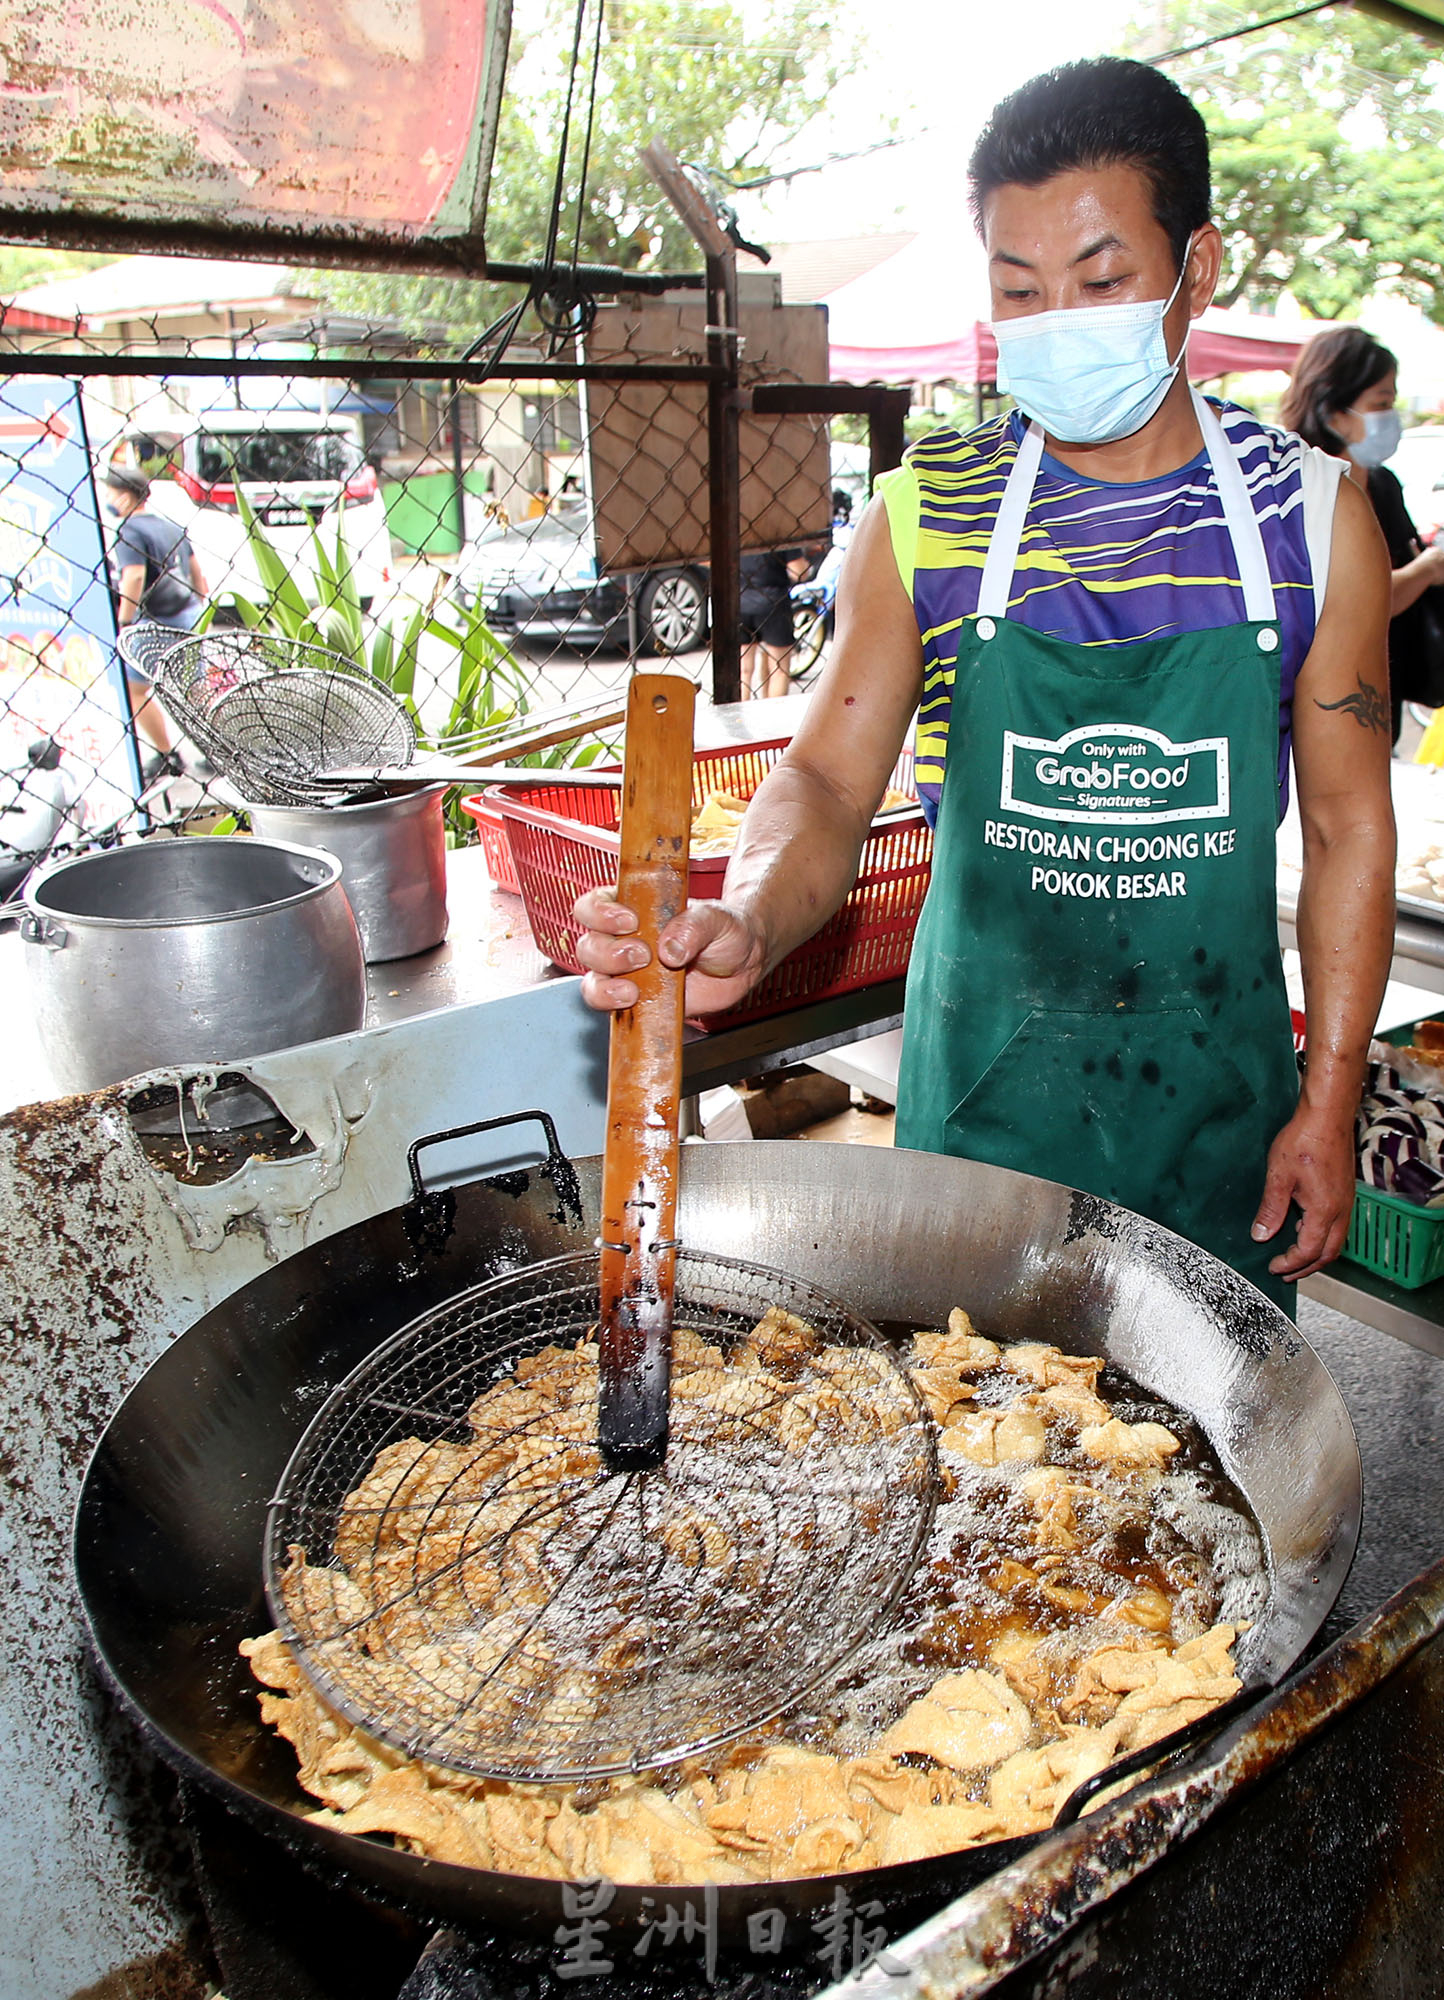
(1100, 564)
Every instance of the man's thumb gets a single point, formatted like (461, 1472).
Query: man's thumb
(1273, 1208)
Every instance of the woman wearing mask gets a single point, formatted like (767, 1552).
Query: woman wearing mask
(1342, 398)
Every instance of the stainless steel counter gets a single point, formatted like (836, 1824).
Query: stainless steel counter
(489, 952)
(1418, 944)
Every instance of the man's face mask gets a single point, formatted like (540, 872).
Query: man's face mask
(1089, 374)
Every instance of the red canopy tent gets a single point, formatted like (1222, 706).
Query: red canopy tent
(19, 319)
(922, 316)
(1220, 344)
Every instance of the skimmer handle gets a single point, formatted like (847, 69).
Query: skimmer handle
(644, 1084)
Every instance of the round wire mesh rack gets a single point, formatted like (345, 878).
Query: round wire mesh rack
(145, 644)
(459, 1576)
(272, 713)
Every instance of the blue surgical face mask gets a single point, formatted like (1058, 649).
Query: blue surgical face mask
(1089, 374)
(1382, 432)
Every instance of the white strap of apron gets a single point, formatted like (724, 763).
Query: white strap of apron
(1239, 517)
(1238, 514)
(1002, 558)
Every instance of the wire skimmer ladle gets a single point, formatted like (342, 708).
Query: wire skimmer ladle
(271, 712)
(557, 1530)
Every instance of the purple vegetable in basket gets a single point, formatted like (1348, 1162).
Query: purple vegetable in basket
(1401, 1124)
(1416, 1181)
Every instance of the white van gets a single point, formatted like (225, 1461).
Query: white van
(299, 471)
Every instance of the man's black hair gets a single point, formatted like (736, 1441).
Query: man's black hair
(1105, 113)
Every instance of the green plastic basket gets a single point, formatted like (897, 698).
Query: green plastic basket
(1396, 1239)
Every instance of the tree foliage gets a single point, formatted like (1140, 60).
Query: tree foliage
(723, 94)
(25, 264)
(1328, 152)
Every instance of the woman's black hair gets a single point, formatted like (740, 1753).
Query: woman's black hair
(1105, 113)
(1330, 375)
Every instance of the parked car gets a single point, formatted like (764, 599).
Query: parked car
(299, 471)
(539, 580)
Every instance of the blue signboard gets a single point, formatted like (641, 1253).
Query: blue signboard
(59, 675)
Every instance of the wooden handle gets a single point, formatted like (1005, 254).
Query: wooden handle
(644, 1085)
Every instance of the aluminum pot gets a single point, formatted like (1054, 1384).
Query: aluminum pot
(195, 950)
(393, 862)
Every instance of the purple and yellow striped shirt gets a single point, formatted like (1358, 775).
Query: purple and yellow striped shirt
(1099, 564)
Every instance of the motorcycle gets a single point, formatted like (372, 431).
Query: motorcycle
(35, 802)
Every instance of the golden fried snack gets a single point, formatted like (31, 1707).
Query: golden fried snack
(1079, 1652)
(1049, 1367)
(992, 1437)
(961, 1347)
(920, 1832)
(968, 1721)
(715, 824)
(1027, 1790)
(1133, 1444)
(1073, 1400)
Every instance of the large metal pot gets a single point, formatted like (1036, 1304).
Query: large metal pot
(171, 1519)
(195, 950)
(393, 863)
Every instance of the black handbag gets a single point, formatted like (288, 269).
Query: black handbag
(1416, 650)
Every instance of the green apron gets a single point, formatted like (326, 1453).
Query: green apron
(1096, 994)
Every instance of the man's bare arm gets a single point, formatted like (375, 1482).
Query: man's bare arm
(1346, 903)
(797, 853)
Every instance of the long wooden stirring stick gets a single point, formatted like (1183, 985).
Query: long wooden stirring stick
(644, 1084)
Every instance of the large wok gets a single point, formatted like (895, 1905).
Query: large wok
(171, 1518)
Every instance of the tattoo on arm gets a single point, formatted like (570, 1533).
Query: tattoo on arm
(1367, 706)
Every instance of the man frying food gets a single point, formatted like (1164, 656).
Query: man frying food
(1118, 613)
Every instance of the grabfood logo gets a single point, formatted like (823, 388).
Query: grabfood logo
(1115, 774)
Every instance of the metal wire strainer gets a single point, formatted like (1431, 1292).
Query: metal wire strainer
(145, 644)
(272, 712)
(459, 1574)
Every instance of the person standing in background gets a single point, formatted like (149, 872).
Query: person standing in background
(158, 578)
(1341, 398)
(767, 580)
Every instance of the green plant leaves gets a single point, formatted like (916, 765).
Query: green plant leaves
(285, 608)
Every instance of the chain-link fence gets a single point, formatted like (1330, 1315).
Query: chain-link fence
(498, 547)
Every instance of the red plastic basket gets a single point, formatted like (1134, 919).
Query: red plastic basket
(564, 841)
(492, 828)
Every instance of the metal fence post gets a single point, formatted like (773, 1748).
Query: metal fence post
(724, 479)
(886, 435)
(458, 467)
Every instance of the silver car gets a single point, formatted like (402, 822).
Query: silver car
(539, 580)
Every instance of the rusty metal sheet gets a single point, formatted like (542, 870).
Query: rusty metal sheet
(261, 131)
(104, 1258)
